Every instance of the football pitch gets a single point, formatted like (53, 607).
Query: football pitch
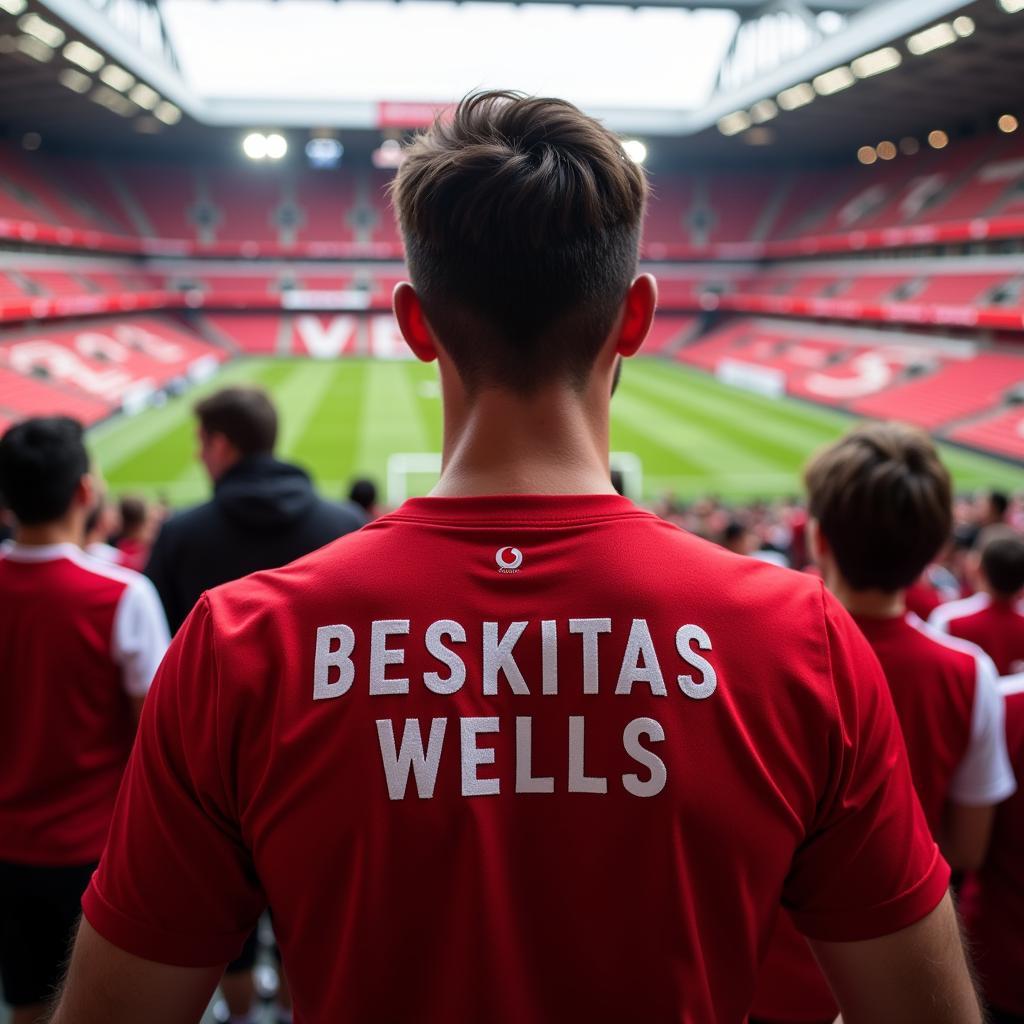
(691, 434)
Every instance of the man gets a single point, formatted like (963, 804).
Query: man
(993, 618)
(362, 499)
(79, 643)
(264, 512)
(993, 898)
(102, 523)
(880, 502)
(519, 751)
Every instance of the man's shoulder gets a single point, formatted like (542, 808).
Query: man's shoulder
(946, 652)
(963, 608)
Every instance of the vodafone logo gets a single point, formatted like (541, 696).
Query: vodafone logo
(508, 559)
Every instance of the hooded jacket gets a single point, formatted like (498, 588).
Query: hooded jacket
(264, 513)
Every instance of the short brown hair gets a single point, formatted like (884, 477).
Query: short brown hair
(1002, 559)
(245, 416)
(883, 501)
(521, 218)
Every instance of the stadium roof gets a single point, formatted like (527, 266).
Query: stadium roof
(781, 72)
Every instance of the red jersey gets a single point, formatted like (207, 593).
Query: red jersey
(78, 637)
(951, 712)
(515, 759)
(996, 626)
(993, 900)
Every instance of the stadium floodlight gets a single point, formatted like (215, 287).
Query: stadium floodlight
(764, 110)
(1012, 6)
(733, 124)
(117, 78)
(44, 31)
(867, 154)
(388, 155)
(1008, 124)
(84, 56)
(886, 150)
(143, 96)
(254, 145)
(834, 81)
(938, 139)
(797, 96)
(324, 152)
(74, 80)
(14, 7)
(112, 100)
(635, 150)
(34, 48)
(167, 112)
(963, 26)
(277, 146)
(877, 62)
(930, 39)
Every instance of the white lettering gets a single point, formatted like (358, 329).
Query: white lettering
(590, 629)
(526, 782)
(549, 656)
(498, 658)
(640, 644)
(457, 667)
(684, 637)
(579, 782)
(326, 659)
(381, 656)
(410, 757)
(473, 756)
(654, 764)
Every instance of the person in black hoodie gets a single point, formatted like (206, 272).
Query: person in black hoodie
(264, 512)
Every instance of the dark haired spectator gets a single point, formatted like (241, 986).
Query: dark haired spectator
(101, 525)
(138, 525)
(993, 618)
(263, 513)
(79, 643)
(362, 499)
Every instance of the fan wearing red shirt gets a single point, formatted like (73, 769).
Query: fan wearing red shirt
(993, 618)
(880, 507)
(519, 751)
(80, 640)
(993, 898)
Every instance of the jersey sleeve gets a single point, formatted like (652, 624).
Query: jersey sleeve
(140, 635)
(985, 776)
(176, 884)
(868, 866)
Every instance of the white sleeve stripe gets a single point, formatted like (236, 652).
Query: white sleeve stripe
(1010, 686)
(140, 635)
(942, 616)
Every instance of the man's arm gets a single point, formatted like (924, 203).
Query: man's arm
(966, 834)
(914, 975)
(106, 985)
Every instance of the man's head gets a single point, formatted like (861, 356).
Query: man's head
(881, 502)
(1002, 561)
(994, 508)
(234, 423)
(103, 520)
(363, 493)
(521, 218)
(44, 471)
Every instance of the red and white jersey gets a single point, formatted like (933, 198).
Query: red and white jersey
(950, 708)
(78, 638)
(515, 759)
(105, 552)
(993, 899)
(996, 626)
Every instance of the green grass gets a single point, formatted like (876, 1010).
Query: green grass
(340, 419)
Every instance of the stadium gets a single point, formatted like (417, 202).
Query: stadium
(197, 195)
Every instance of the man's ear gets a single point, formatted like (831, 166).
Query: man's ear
(641, 301)
(817, 544)
(412, 323)
(86, 492)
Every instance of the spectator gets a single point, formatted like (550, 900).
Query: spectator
(79, 643)
(880, 506)
(362, 499)
(101, 525)
(992, 618)
(137, 529)
(992, 900)
(520, 751)
(264, 512)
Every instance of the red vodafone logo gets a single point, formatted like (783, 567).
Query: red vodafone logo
(508, 559)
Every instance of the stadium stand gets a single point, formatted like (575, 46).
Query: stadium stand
(1002, 433)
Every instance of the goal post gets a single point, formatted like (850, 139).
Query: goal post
(410, 473)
